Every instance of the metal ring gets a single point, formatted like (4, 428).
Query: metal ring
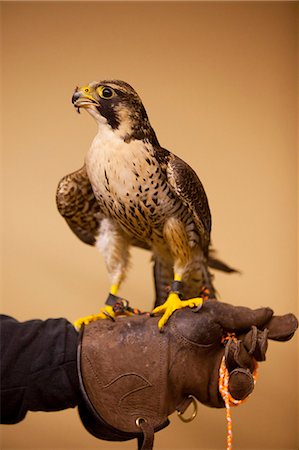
(140, 420)
(194, 413)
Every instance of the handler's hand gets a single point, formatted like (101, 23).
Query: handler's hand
(142, 373)
(211, 329)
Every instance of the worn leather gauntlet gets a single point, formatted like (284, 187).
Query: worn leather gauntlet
(133, 376)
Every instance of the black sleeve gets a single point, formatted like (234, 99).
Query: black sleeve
(38, 367)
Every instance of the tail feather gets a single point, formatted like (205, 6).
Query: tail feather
(217, 264)
(200, 278)
(163, 276)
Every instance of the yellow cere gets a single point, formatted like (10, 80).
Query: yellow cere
(86, 90)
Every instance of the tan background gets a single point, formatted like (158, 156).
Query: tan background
(219, 83)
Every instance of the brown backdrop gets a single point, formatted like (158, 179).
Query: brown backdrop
(219, 83)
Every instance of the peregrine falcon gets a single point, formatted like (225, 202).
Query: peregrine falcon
(132, 191)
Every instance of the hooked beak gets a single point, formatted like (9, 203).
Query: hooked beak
(82, 98)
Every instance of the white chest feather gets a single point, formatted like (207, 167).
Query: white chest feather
(117, 169)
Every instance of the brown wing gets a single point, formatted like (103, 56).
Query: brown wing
(163, 276)
(77, 204)
(185, 183)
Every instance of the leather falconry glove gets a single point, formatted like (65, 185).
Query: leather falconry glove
(133, 376)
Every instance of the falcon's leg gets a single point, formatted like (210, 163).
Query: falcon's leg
(176, 236)
(115, 248)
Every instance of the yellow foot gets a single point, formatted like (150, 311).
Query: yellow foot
(173, 303)
(105, 313)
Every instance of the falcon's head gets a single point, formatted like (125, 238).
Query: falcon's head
(117, 105)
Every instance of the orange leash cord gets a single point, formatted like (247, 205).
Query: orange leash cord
(228, 399)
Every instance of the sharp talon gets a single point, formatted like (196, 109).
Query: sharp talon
(173, 303)
(160, 326)
(109, 316)
(77, 326)
(105, 313)
(197, 308)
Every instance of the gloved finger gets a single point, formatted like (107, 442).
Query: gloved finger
(256, 343)
(241, 383)
(281, 328)
(237, 318)
(236, 356)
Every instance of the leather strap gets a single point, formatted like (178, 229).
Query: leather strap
(146, 442)
(121, 305)
(181, 408)
(112, 299)
(176, 287)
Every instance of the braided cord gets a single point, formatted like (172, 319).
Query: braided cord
(228, 399)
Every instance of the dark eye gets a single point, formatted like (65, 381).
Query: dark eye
(105, 92)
